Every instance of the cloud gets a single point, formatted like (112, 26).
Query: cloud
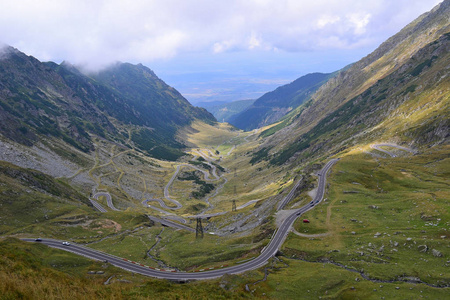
(99, 32)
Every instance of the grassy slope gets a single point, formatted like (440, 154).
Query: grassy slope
(410, 192)
(396, 57)
(410, 195)
(411, 105)
(33, 271)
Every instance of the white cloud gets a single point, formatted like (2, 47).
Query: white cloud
(359, 22)
(223, 46)
(100, 32)
(327, 20)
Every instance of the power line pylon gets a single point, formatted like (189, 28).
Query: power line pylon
(199, 229)
(233, 207)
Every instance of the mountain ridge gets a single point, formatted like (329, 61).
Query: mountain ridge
(59, 101)
(412, 51)
(273, 105)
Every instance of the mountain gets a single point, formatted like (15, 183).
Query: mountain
(399, 93)
(272, 106)
(125, 103)
(209, 104)
(227, 110)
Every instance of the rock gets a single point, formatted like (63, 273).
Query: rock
(423, 248)
(353, 232)
(395, 244)
(436, 253)
(409, 239)
(100, 272)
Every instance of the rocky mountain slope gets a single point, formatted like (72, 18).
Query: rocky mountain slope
(272, 106)
(400, 92)
(124, 103)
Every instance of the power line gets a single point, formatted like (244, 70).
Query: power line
(199, 229)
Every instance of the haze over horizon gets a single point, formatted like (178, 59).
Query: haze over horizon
(208, 50)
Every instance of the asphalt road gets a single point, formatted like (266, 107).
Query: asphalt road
(289, 196)
(377, 147)
(108, 199)
(170, 223)
(269, 251)
(97, 205)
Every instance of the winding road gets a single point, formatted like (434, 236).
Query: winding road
(169, 223)
(97, 205)
(108, 200)
(269, 251)
(377, 147)
(289, 196)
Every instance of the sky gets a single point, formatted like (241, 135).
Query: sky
(208, 49)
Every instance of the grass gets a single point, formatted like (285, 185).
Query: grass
(188, 253)
(401, 198)
(294, 279)
(206, 135)
(34, 271)
(379, 213)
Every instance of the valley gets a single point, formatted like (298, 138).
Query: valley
(335, 186)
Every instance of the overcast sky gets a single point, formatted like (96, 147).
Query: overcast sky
(267, 41)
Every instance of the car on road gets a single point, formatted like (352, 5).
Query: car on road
(66, 243)
(38, 240)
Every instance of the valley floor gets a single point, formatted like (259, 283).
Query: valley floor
(382, 231)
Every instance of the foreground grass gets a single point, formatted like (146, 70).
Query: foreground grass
(33, 271)
(293, 279)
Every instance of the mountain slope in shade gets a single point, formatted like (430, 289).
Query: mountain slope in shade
(272, 106)
(46, 99)
(399, 93)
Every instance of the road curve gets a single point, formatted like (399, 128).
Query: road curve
(169, 223)
(377, 147)
(269, 251)
(108, 199)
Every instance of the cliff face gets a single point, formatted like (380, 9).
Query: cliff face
(399, 92)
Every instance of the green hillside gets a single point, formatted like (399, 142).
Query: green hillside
(397, 93)
(381, 231)
(46, 99)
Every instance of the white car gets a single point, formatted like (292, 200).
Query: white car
(66, 243)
